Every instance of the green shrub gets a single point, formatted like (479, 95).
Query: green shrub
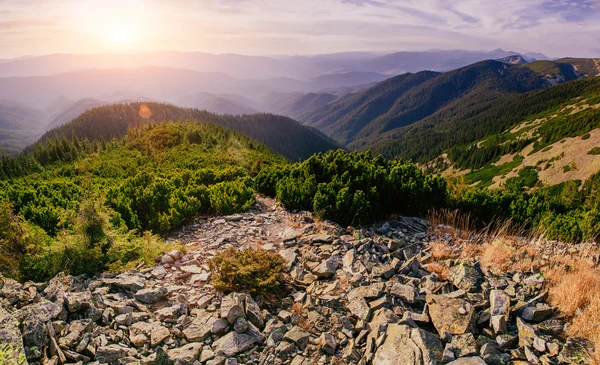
(586, 136)
(354, 188)
(594, 151)
(254, 271)
(231, 197)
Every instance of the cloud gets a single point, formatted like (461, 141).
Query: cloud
(556, 27)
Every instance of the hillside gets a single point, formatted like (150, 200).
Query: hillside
(296, 104)
(19, 125)
(215, 104)
(463, 124)
(73, 110)
(282, 134)
(408, 98)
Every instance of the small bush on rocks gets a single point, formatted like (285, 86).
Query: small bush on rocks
(253, 270)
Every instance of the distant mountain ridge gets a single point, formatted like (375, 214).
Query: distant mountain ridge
(258, 67)
(359, 120)
(282, 134)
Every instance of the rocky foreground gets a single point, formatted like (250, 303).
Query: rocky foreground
(354, 297)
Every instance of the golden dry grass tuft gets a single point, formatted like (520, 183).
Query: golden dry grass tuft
(442, 271)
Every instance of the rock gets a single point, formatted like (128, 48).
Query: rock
(158, 335)
(327, 268)
(463, 345)
(297, 336)
(537, 313)
(253, 313)
(526, 333)
(450, 315)
(406, 346)
(232, 307)
(499, 304)
(75, 302)
(192, 269)
(328, 343)
(189, 353)
(151, 296)
(219, 325)
(200, 328)
(359, 308)
(289, 256)
(465, 277)
(12, 350)
(405, 292)
(241, 325)
(575, 352)
(233, 343)
(474, 360)
(111, 354)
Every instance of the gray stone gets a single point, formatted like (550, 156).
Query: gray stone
(111, 354)
(464, 345)
(152, 295)
(359, 308)
(189, 352)
(232, 307)
(406, 346)
(327, 268)
(450, 315)
(200, 328)
(465, 277)
(328, 343)
(538, 313)
(405, 292)
(75, 302)
(297, 336)
(11, 342)
(233, 343)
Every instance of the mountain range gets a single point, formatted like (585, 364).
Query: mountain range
(258, 67)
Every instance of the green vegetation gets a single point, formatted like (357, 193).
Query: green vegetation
(281, 134)
(257, 272)
(527, 177)
(87, 206)
(486, 175)
(454, 129)
(586, 136)
(594, 151)
(353, 188)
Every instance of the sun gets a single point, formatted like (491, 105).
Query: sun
(120, 34)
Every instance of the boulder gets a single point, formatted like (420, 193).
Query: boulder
(406, 346)
(12, 350)
(327, 268)
(233, 343)
(232, 307)
(465, 277)
(298, 336)
(200, 328)
(151, 295)
(450, 315)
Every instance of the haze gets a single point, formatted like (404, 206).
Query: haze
(553, 27)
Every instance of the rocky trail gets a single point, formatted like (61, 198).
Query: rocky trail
(355, 297)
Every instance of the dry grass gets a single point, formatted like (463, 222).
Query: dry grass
(575, 289)
(572, 281)
(442, 271)
(440, 251)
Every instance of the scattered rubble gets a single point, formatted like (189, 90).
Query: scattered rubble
(353, 297)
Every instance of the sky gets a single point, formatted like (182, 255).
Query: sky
(290, 27)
